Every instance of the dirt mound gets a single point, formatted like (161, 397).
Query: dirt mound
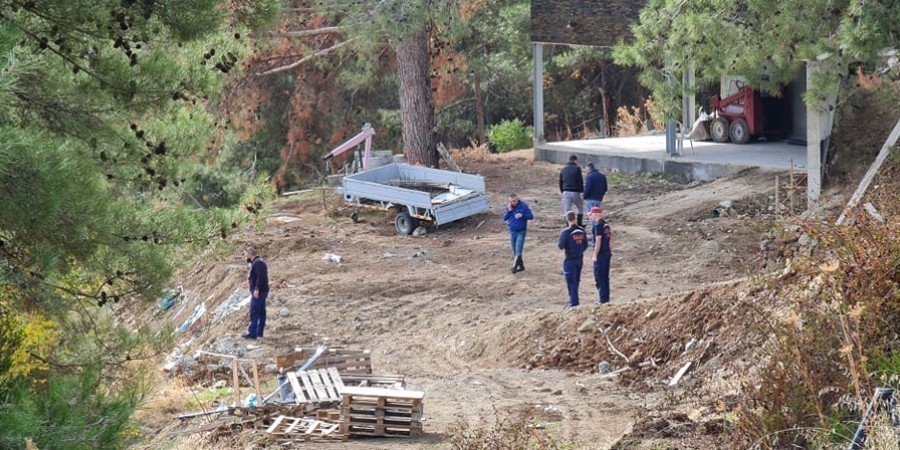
(713, 328)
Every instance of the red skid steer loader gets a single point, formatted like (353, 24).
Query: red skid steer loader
(746, 115)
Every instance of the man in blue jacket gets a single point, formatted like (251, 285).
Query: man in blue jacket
(258, 283)
(516, 215)
(574, 241)
(594, 191)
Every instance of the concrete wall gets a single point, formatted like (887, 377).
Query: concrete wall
(692, 170)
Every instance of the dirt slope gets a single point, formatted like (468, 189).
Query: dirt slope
(444, 309)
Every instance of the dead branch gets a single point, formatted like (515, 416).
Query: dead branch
(302, 33)
(303, 60)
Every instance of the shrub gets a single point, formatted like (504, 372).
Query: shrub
(510, 135)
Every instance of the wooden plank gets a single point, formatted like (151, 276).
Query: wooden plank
(870, 174)
(299, 397)
(296, 422)
(380, 392)
(336, 379)
(310, 391)
(312, 427)
(259, 397)
(317, 385)
(275, 425)
(237, 382)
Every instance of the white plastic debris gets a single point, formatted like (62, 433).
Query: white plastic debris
(332, 257)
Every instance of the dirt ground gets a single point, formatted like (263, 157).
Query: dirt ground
(444, 310)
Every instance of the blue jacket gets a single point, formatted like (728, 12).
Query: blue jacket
(259, 276)
(594, 186)
(602, 230)
(570, 178)
(510, 217)
(574, 241)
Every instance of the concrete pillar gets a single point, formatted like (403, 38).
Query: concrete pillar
(671, 139)
(819, 120)
(688, 98)
(538, 64)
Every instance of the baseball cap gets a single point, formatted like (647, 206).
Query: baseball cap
(595, 210)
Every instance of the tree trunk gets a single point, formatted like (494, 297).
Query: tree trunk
(479, 110)
(416, 100)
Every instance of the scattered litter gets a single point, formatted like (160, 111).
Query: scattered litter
(238, 299)
(332, 257)
(198, 311)
(168, 301)
(680, 373)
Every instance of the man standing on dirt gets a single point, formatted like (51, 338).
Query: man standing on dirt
(516, 215)
(571, 185)
(258, 283)
(594, 191)
(602, 254)
(574, 241)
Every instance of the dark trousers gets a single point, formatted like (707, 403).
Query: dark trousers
(601, 275)
(572, 271)
(258, 315)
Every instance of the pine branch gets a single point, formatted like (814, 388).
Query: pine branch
(302, 33)
(303, 60)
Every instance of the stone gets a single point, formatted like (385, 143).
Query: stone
(804, 240)
(604, 367)
(588, 325)
(220, 384)
(712, 246)
(271, 368)
(212, 367)
(726, 204)
(419, 231)
(284, 312)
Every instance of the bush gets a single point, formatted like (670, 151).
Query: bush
(510, 135)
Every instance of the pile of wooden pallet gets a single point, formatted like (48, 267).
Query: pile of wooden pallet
(367, 411)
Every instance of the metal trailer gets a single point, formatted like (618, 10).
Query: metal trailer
(417, 193)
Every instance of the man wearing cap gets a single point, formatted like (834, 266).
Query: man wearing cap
(594, 191)
(574, 241)
(571, 185)
(516, 215)
(258, 283)
(602, 254)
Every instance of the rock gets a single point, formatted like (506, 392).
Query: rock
(588, 325)
(271, 368)
(557, 392)
(419, 231)
(651, 314)
(804, 240)
(604, 367)
(284, 312)
(447, 243)
(726, 204)
(212, 367)
(220, 384)
(712, 246)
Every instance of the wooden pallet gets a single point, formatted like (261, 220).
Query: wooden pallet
(286, 428)
(381, 412)
(372, 380)
(316, 386)
(345, 361)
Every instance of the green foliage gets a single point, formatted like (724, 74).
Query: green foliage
(763, 40)
(510, 135)
(103, 132)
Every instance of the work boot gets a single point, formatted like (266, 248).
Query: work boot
(515, 266)
(519, 265)
(581, 220)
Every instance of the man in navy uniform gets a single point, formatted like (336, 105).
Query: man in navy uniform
(594, 191)
(571, 185)
(602, 254)
(258, 283)
(574, 241)
(516, 215)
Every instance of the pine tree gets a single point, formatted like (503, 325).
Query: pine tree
(104, 125)
(766, 41)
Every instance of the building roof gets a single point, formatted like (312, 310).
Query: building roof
(584, 22)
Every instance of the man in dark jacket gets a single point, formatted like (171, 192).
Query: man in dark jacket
(571, 185)
(594, 191)
(574, 241)
(516, 215)
(258, 283)
(602, 254)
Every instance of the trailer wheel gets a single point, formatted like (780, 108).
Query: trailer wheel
(405, 223)
(718, 129)
(739, 131)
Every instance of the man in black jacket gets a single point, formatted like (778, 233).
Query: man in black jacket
(258, 283)
(571, 185)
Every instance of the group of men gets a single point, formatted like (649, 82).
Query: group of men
(581, 193)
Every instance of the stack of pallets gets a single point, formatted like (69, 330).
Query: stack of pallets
(369, 411)
(316, 386)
